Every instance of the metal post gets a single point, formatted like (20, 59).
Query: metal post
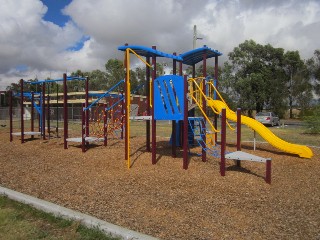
(268, 171)
(21, 111)
(223, 143)
(83, 128)
(105, 125)
(154, 129)
(174, 137)
(216, 85)
(10, 114)
(147, 86)
(185, 124)
(39, 114)
(204, 101)
(43, 130)
(57, 113)
(238, 133)
(48, 110)
(32, 113)
(126, 93)
(122, 113)
(65, 112)
(87, 104)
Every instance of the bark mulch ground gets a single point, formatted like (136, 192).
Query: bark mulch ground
(165, 201)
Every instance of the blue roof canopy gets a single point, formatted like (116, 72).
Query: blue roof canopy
(55, 80)
(149, 52)
(196, 55)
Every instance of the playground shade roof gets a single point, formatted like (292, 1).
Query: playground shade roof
(149, 52)
(55, 80)
(196, 55)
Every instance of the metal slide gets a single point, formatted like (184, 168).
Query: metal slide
(264, 132)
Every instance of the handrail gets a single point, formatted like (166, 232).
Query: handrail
(122, 97)
(150, 93)
(202, 93)
(103, 95)
(215, 89)
(205, 115)
(128, 100)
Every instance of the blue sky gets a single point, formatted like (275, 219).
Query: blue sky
(54, 13)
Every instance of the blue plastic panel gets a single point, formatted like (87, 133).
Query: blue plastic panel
(168, 97)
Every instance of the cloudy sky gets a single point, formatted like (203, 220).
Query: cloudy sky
(47, 38)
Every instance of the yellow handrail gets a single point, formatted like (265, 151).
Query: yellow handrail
(205, 115)
(150, 93)
(201, 93)
(204, 95)
(215, 89)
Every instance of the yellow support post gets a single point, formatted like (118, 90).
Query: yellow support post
(128, 100)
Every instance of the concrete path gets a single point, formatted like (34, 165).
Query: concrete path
(89, 221)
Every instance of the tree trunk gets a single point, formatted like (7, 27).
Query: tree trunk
(290, 96)
(290, 105)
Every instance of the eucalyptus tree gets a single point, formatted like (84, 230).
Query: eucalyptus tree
(298, 81)
(258, 76)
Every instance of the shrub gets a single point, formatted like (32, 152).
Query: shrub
(312, 120)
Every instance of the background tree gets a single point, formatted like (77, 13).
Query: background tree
(256, 69)
(297, 80)
(98, 80)
(313, 65)
(114, 72)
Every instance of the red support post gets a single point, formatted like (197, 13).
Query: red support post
(180, 122)
(65, 111)
(48, 111)
(21, 111)
(204, 102)
(174, 136)
(43, 130)
(223, 143)
(10, 114)
(32, 113)
(268, 171)
(154, 129)
(185, 124)
(39, 116)
(105, 125)
(122, 113)
(83, 128)
(238, 134)
(86, 105)
(147, 86)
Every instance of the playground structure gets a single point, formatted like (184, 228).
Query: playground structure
(169, 97)
(96, 118)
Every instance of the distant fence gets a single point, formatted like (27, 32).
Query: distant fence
(74, 114)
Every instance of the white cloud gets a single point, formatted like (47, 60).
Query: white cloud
(29, 41)
(292, 25)
(30, 46)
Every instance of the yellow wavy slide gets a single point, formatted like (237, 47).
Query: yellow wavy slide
(264, 132)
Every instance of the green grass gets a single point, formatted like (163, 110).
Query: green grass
(291, 134)
(20, 221)
(295, 135)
